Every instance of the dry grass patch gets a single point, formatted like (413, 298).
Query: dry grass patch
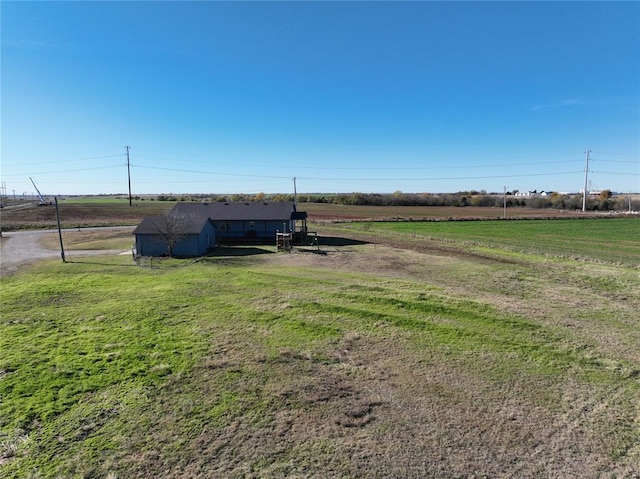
(379, 408)
(91, 239)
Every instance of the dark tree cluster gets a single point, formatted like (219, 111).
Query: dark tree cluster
(605, 201)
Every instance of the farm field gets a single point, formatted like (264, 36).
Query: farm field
(331, 212)
(85, 212)
(396, 350)
(78, 213)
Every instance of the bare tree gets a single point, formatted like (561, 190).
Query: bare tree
(605, 195)
(171, 229)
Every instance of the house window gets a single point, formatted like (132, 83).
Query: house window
(252, 224)
(225, 226)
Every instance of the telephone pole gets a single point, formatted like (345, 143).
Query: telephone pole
(64, 260)
(586, 179)
(295, 193)
(129, 174)
(504, 202)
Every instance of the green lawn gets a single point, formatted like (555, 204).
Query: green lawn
(607, 239)
(363, 361)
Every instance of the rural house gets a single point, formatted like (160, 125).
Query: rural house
(196, 228)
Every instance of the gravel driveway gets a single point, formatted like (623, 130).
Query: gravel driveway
(21, 247)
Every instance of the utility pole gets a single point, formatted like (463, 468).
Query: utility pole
(129, 174)
(59, 230)
(504, 202)
(586, 180)
(295, 193)
(3, 194)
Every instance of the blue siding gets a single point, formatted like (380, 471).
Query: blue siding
(187, 246)
(192, 245)
(206, 239)
(252, 229)
(150, 245)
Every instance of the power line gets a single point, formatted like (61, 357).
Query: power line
(66, 171)
(615, 173)
(444, 178)
(616, 161)
(381, 168)
(201, 172)
(49, 162)
(344, 173)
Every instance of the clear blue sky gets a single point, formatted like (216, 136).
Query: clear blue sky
(217, 97)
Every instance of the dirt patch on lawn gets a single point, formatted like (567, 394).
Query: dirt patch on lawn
(379, 408)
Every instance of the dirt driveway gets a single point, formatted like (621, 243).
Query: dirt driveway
(22, 247)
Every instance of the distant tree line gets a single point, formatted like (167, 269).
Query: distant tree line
(605, 201)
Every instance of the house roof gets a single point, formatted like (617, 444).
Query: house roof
(148, 225)
(194, 216)
(238, 211)
(153, 225)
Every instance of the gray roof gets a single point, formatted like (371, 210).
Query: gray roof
(152, 225)
(249, 211)
(195, 215)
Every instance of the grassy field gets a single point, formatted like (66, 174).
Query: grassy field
(414, 352)
(605, 239)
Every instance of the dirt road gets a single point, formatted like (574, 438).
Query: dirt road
(22, 247)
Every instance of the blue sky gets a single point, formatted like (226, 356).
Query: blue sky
(220, 97)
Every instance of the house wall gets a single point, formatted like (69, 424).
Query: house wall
(197, 245)
(192, 245)
(188, 246)
(149, 245)
(207, 239)
(243, 229)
